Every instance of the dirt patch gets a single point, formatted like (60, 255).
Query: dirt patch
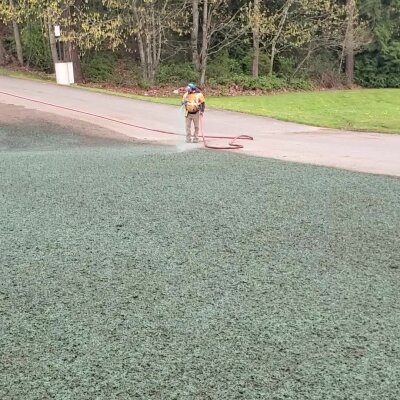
(21, 117)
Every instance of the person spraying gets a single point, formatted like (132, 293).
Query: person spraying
(195, 104)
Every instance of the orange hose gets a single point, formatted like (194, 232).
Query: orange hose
(232, 145)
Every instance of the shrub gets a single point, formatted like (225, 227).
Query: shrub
(126, 73)
(286, 65)
(246, 63)
(323, 69)
(371, 71)
(177, 74)
(262, 82)
(144, 84)
(300, 84)
(99, 67)
(36, 48)
(223, 67)
(266, 83)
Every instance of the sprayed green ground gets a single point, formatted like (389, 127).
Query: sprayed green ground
(134, 272)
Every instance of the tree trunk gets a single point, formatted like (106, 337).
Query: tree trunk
(195, 34)
(76, 61)
(256, 38)
(204, 43)
(203, 74)
(154, 43)
(149, 63)
(200, 58)
(53, 42)
(349, 43)
(275, 39)
(142, 56)
(3, 54)
(17, 37)
(272, 59)
(160, 40)
(142, 41)
(149, 23)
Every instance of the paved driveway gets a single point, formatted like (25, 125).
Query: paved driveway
(366, 152)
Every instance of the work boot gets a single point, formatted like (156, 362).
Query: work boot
(196, 140)
(188, 140)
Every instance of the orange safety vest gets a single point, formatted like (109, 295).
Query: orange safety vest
(192, 101)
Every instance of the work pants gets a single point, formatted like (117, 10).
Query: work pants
(196, 122)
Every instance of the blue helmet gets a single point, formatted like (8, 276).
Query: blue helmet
(191, 87)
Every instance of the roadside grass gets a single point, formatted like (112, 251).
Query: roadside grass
(363, 110)
(25, 74)
(372, 110)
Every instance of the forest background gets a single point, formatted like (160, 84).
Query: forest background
(232, 46)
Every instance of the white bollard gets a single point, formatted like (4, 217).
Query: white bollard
(64, 73)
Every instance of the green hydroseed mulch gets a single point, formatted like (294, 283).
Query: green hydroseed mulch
(134, 272)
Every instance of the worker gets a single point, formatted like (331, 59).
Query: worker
(195, 104)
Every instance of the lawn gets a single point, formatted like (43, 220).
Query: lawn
(131, 271)
(376, 110)
(365, 110)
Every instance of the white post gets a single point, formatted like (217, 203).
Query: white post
(64, 70)
(62, 73)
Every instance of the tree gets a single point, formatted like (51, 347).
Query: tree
(149, 18)
(297, 26)
(349, 41)
(255, 27)
(325, 32)
(65, 14)
(3, 53)
(219, 29)
(73, 31)
(378, 63)
(9, 13)
(17, 35)
(145, 23)
(52, 41)
(286, 32)
(281, 19)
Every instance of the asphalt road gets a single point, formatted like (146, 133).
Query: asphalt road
(364, 152)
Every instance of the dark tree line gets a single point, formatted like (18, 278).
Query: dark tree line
(342, 40)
